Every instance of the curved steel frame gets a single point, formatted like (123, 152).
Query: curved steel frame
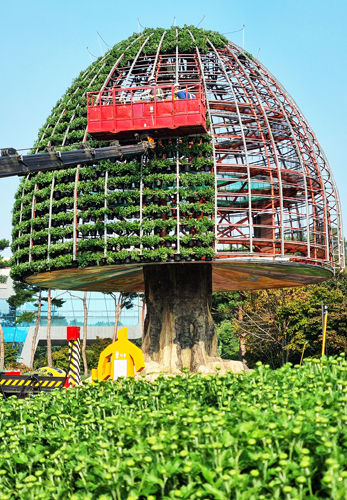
(275, 195)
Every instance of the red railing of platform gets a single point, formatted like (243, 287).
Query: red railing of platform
(158, 110)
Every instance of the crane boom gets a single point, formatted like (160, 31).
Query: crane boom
(12, 163)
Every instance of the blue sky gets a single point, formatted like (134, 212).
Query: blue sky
(43, 46)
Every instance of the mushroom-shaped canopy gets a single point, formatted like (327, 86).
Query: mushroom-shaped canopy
(255, 196)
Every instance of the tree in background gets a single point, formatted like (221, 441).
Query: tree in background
(143, 315)
(15, 366)
(24, 293)
(3, 244)
(85, 326)
(60, 358)
(228, 342)
(11, 353)
(264, 330)
(94, 350)
(122, 300)
(38, 304)
(277, 323)
(90, 356)
(41, 355)
(51, 301)
(225, 307)
(306, 320)
(84, 344)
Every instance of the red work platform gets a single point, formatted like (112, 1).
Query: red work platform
(120, 113)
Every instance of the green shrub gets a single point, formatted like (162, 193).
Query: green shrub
(257, 435)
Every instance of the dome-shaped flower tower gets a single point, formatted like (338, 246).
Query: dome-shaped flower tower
(245, 200)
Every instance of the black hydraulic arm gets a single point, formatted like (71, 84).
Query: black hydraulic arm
(12, 163)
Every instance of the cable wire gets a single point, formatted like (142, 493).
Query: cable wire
(229, 32)
(102, 53)
(104, 40)
(140, 23)
(200, 22)
(91, 54)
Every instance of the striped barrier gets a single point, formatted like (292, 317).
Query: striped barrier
(12, 383)
(22, 385)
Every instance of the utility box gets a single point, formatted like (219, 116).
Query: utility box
(72, 333)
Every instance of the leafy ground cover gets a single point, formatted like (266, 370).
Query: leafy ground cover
(260, 435)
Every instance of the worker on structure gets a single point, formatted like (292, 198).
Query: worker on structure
(182, 94)
(151, 92)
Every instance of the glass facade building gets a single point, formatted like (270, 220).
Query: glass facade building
(101, 311)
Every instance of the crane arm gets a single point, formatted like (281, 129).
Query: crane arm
(12, 163)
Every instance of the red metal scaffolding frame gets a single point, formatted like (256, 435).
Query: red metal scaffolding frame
(275, 194)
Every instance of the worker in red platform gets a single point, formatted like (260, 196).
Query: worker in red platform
(182, 94)
(149, 94)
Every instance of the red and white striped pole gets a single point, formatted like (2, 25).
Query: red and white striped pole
(73, 337)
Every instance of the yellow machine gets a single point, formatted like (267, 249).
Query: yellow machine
(51, 372)
(119, 359)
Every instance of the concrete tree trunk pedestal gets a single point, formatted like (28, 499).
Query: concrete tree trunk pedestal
(179, 330)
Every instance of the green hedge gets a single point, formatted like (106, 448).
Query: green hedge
(118, 211)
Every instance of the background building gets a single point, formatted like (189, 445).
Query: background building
(101, 317)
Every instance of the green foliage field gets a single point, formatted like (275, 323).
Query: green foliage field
(260, 435)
